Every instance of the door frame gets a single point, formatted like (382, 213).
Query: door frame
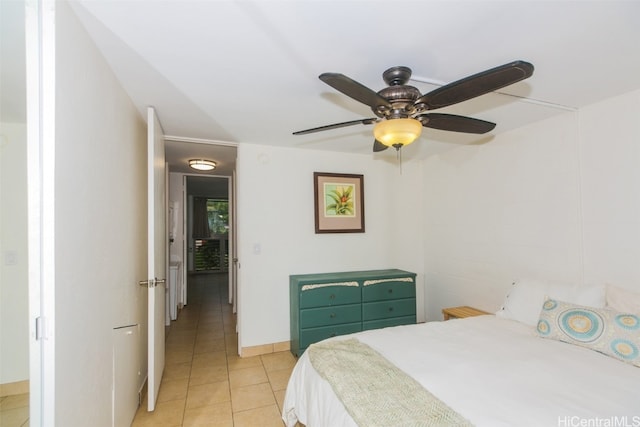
(40, 41)
(185, 229)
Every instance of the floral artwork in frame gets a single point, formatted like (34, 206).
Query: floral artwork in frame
(339, 202)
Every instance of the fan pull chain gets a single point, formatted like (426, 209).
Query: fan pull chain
(399, 158)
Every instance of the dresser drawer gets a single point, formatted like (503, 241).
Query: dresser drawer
(387, 309)
(322, 296)
(323, 305)
(316, 317)
(385, 323)
(311, 335)
(389, 289)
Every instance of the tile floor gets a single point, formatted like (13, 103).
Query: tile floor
(14, 410)
(205, 382)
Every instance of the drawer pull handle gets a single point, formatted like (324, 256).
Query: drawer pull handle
(390, 308)
(332, 296)
(390, 291)
(332, 315)
(333, 334)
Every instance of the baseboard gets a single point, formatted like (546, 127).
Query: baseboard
(257, 350)
(18, 387)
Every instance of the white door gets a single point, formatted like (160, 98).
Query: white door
(157, 254)
(40, 32)
(233, 229)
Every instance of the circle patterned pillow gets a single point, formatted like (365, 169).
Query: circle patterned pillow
(606, 331)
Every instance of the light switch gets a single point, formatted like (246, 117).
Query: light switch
(10, 258)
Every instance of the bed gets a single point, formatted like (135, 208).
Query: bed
(498, 370)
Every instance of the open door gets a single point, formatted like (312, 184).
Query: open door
(233, 274)
(157, 253)
(40, 44)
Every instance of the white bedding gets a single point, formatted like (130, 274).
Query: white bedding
(492, 371)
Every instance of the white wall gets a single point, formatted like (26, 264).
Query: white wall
(100, 213)
(275, 212)
(610, 170)
(556, 200)
(14, 290)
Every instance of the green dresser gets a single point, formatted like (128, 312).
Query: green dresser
(328, 304)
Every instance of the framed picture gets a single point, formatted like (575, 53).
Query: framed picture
(339, 202)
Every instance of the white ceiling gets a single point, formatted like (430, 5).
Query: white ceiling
(247, 71)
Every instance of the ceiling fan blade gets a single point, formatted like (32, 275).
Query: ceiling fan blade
(378, 146)
(355, 90)
(337, 125)
(476, 85)
(455, 123)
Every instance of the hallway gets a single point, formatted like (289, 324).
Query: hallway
(205, 382)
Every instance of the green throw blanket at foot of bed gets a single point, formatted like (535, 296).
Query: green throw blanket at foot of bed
(374, 391)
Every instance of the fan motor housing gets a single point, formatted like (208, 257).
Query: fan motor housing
(402, 99)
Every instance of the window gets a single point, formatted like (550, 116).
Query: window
(212, 252)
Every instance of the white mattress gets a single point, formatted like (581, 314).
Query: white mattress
(493, 371)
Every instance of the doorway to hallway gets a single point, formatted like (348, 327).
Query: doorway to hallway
(205, 381)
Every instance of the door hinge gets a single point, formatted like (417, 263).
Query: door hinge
(40, 332)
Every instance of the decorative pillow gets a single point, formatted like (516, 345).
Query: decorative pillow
(526, 296)
(620, 299)
(603, 330)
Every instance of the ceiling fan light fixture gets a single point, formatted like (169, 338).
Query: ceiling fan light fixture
(397, 132)
(202, 164)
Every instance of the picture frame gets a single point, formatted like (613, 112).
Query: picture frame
(338, 202)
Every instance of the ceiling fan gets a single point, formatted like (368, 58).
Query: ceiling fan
(401, 110)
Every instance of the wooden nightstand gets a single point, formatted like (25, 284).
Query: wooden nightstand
(461, 312)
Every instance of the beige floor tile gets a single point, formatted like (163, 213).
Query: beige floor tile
(210, 334)
(14, 417)
(237, 362)
(176, 371)
(204, 360)
(268, 416)
(231, 339)
(182, 334)
(211, 324)
(173, 390)
(166, 414)
(210, 357)
(175, 342)
(183, 347)
(218, 415)
(214, 319)
(209, 345)
(178, 356)
(279, 395)
(15, 401)
(208, 394)
(209, 374)
(247, 376)
(251, 397)
(185, 323)
(279, 379)
(278, 361)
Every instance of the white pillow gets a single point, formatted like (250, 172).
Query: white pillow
(623, 300)
(526, 296)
